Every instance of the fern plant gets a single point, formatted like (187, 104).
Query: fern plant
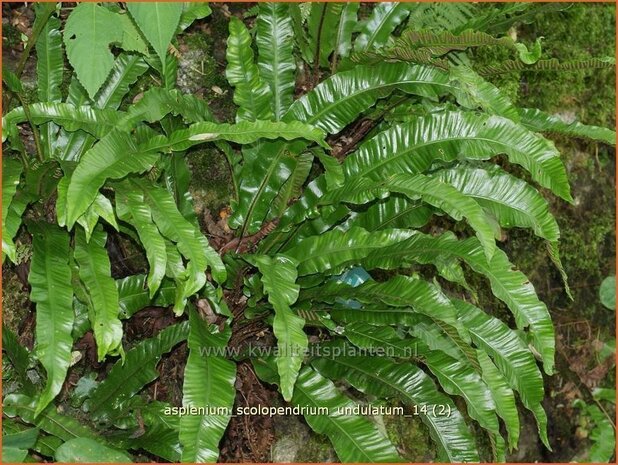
(387, 167)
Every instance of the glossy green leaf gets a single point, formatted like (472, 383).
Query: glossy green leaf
(49, 70)
(134, 296)
(396, 211)
(474, 92)
(508, 284)
(51, 290)
(383, 378)
(321, 31)
(279, 279)
(192, 11)
(190, 241)
(293, 186)
(355, 438)
(384, 18)
(88, 33)
(503, 397)
(460, 378)
(94, 121)
(251, 93)
(11, 174)
(267, 166)
(131, 208)
(158, 22)
(276, 64)
(448, 136)
(49, 420)
(244, 132)
(337, 249)
(113, 157)
(417, 295)
(510, 354)
(539, 121)
(206, 366)
(343, 38)
(420, 187)
(84, 450)
(513, 202)
(94, 272)
(15, 445)
(129, 376)
(338, 100)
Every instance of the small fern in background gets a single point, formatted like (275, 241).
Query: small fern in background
(361, 142)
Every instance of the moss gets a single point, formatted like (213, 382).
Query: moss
(15, 303)
(580, 32)
(317, 448)
(210, 180)
(410, 437)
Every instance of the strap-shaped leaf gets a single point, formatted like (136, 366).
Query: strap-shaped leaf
(94, 272)
(88, 33)
(267, 166)
(279, 279)
(131, 207)
(337, 101)
(539, 121)
(460, 378)
(508, 284)
(11, 174)
(456, 377)
(113, 157)
(100, 208)
(472, 91)
(129, 376)
(321, 30)
(396, 211)
(420, 187)
(336, 249)
(343, 38)
(84, 450)
(293, 187)
(158, 22)
(384, 18)
(49, 420)
(49, 70)
(447, 136)
(511, 356)
(192, 11)
(251, 93)
(206, 366)
(276, 64)
(52, 291)
(503, 397)
(94, 121)
(133, 295)
(125, 72)
(244, 132)
(15, 443)
(409, 292)
(383, 378)
(190, 241)
(513, 202)
(161, 435)
(355, 438)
